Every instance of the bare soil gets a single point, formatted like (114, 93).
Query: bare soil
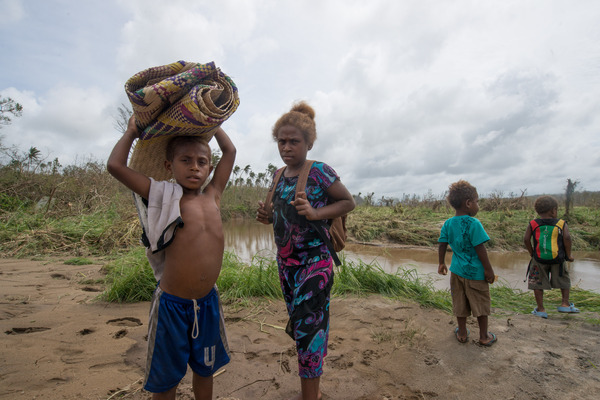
(59, 342)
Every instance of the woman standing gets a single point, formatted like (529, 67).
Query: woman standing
(304, 260)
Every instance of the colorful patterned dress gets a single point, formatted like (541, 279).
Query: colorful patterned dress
(305, 268)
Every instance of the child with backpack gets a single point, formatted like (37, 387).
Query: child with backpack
(471, 270)
(549, 252)
(303, 255)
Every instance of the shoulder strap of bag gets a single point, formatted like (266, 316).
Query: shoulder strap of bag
(319, 226)
(271, 191)
(303, 176)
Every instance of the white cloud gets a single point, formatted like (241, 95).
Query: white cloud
(12, 11)
(409, 96)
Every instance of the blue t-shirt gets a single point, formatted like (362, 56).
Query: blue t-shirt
(463, 233)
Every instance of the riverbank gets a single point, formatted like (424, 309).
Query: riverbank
(61, 343)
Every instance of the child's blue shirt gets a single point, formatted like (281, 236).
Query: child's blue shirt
(463, 233)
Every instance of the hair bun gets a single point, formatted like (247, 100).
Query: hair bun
(304, 108)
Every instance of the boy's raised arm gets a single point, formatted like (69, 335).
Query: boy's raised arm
(225, 165)
(117, 162)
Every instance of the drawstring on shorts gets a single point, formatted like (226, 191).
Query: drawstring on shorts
(195, 327)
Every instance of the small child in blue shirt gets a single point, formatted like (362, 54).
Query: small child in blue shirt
(471, 271)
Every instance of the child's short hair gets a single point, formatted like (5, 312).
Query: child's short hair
(179, 141)
(459, 192)
(301, 116)
(545, 204)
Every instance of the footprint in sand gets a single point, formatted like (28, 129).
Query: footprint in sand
(126, 321)
(120, 334)
(340, 362)
(369, 356)
(71, 355)
(91, 289)
(431, 360)
(285, 366)
(31, 329)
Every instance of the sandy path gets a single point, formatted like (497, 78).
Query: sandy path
(59, 343)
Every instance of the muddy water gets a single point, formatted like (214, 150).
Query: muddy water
(249, 238)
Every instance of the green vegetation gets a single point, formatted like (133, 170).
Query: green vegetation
(130, 279)
(46, 208)
(79, 261)
(420, 225)
(82, 212)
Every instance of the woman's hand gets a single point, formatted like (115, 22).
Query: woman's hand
(262, 215)
(304, 208)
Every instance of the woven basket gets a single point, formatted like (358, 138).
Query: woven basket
(177, 99)
(148, 157)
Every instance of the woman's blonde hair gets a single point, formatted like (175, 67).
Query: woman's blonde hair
(302, 117)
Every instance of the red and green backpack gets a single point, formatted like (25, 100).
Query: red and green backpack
(548, 247)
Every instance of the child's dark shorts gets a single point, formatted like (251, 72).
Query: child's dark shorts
(548, 276)
(182, 331)
(469, 297)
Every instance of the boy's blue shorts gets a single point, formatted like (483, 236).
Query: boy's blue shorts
(182, 332)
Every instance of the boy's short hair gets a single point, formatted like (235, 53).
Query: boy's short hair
(545, 204)
(459, 192)
(179, 141)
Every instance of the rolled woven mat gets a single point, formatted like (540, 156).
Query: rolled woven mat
(181, 98)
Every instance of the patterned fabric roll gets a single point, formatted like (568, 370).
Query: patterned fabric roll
(178, 99)
(181, 98)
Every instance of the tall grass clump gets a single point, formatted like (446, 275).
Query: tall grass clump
(129, 278)
(360, 278)
(238, 280)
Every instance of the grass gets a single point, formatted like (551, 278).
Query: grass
(27, 233)
(420, 225)
(130, 279)
(78, 261)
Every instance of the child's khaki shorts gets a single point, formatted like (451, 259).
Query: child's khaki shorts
(548, 276)
(469, 297)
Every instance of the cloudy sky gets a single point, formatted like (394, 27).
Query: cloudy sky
(409, 95)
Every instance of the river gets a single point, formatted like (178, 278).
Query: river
(248, 238)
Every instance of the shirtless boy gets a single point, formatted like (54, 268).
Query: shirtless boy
(185, 225)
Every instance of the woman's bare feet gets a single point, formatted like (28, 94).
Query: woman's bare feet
(310, 389)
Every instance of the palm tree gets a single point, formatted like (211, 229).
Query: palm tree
(260, 179)
(32, 155)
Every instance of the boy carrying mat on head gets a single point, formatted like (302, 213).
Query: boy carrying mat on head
(186, 323)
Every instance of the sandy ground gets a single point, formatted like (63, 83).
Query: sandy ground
(58, 342)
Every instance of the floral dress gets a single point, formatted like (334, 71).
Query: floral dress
(305, 268)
